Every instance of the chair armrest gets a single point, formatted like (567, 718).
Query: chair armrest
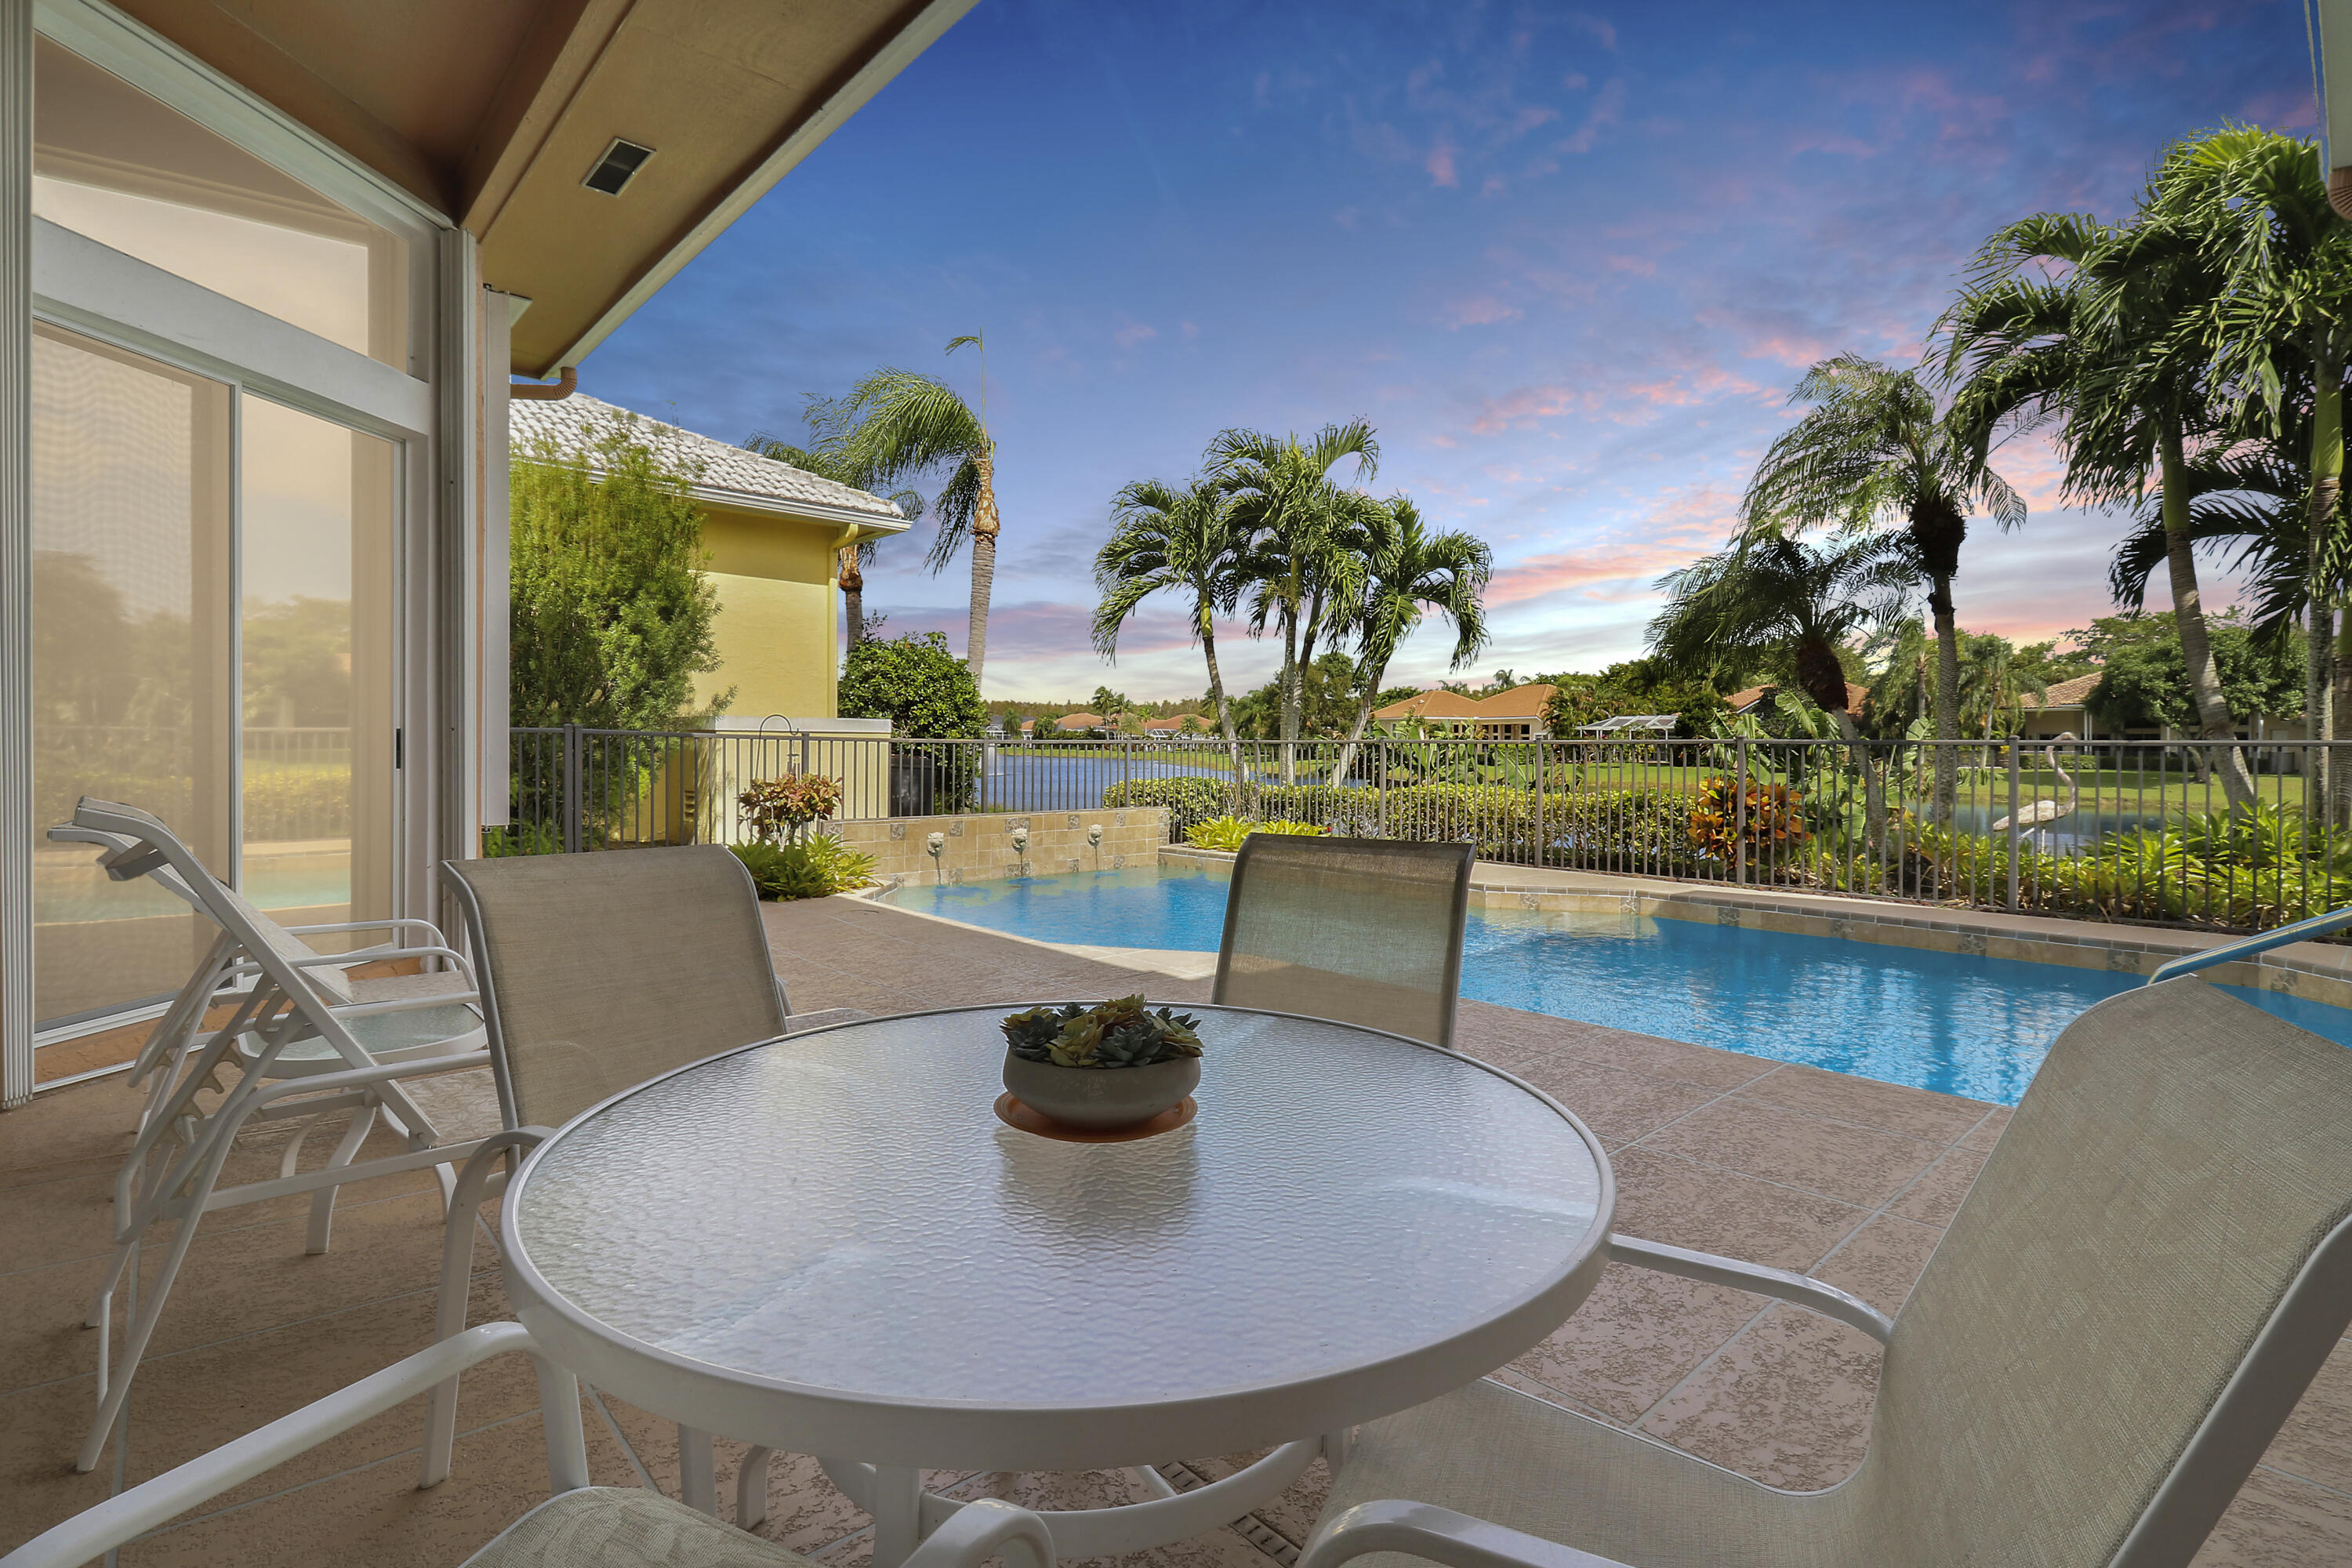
(1796, 1289)
(94, 1533)
(1438, 1535)
(984, 1529)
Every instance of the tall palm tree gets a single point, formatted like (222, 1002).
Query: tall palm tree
(2137, 399)
(1873, 448)
(1298, 523)
(1164, 539)
(1774, 603)
(1411, 572)
(851, 560)
(2282, 333)
(895, 424)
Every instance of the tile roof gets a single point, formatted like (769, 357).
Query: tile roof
(1439, 704)
(1741, 702)
(1519, 703)
(2066, 693)
(729, 474)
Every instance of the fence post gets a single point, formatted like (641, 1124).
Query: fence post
(571, 792)
(1739, 820)
(2012, 827)
(1381, 796)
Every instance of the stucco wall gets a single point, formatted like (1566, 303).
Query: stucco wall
(777, 629)
(980, 848)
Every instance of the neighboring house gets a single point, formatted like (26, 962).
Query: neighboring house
(1070, 722)
(1759, 699)
(775, 534)
(1513, 715)
(1174, 724)
(266, 274)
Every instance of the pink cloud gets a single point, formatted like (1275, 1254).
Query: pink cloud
(1134, 333)
(1606, 108)
(1480, 311)
(1440, 163)
(1595, 27)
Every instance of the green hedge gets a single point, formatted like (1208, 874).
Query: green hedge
(1634, 830)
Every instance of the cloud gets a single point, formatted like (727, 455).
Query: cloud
(1606, 107)
(1134, 333)
(1595, 27)
(1440, 163)
(1480, 311)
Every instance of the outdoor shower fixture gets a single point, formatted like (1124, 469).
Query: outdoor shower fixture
(1094, 835)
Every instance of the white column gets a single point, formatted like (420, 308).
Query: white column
(16, 824)
(491, 563)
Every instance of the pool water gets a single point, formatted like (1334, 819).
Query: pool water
(1944, 1021)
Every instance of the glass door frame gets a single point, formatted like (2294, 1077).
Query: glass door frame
(82, 287)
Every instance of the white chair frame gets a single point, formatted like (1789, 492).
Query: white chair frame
(976, 1532)
(276, 1005)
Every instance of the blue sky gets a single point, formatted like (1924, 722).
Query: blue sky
(1569, 262)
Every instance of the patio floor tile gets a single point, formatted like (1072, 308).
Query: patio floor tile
(1618, 1105)
(2277, 1520)
(2317, 1441)
(1701, 1065)
(1787, 1403)
(1890, 1107)
(1665, 1197)
(1988, 1131)
(1638, 1335)
(1836, 1159)
(1881, 1261)
(1935, 1196)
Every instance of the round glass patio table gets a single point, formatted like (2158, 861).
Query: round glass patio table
(829, 1244)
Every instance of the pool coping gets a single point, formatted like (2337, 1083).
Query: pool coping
(2314, 970)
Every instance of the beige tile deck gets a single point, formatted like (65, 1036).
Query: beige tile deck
(1844, 1178)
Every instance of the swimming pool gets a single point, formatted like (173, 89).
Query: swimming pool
(1944, 1021)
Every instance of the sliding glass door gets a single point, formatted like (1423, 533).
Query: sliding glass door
(213, 625)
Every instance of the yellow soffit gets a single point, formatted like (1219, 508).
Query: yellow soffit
(729, 94)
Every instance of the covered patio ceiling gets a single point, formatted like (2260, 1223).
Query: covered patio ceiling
(494, 113)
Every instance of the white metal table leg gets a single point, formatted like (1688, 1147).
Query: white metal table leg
(898, 1510)
(751, 1489)
(698, 1480)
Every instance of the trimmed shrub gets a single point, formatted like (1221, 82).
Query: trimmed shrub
(811, 868)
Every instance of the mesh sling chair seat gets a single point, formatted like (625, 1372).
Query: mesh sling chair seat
(1363, 931)
(2147, 1274)
(293, 1048)
(579, 1526)
(597, 972)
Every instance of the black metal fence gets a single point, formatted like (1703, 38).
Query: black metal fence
(2209, 834)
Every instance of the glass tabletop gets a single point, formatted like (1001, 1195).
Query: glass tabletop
(844, 1211)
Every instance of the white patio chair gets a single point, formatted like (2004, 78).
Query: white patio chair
(580, 1525)
(1363, 931)
(598, 971)
(299, 1043)
(2150, 1269)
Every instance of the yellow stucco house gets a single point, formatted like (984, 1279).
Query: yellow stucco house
(775, 534)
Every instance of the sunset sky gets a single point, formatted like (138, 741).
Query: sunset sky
(1569, 263)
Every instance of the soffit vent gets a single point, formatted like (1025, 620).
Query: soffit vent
(619, 165)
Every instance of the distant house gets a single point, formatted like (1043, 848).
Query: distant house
(1759, 699)
(1513, 715)
(1072, 721)
(1174, 724)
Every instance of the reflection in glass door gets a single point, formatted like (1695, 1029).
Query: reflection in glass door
(228, 667)
(318, 691)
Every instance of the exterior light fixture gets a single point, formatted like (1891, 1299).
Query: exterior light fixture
(617, 167)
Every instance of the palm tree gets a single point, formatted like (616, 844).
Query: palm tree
(852, 559)
(2282, 341)
(2118, 356)
(1167, 539)
(1298, 523)
(1412, 571)
(899, 423)
(1872, 448)
(1772, 602)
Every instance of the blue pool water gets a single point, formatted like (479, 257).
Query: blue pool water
(1944, 1021)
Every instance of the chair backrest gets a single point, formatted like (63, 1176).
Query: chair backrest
(2146, 1275)
(600, 970)
(1365, 930)
(173, 865)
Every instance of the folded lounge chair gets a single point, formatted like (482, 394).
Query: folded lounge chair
(2150, 1269)
(301, 1042)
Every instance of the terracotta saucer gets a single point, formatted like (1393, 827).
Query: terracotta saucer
(1012, 1113)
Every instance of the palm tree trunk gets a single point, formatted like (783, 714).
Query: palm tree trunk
(852, 595)
(2327, 483)
(1873, 789)
(1289, 720)
(1948, 695)
(1217, 696)
(1373, 678)
(984, 527)
(2188, 615)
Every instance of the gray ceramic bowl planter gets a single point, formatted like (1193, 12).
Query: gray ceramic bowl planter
(1100, 1099)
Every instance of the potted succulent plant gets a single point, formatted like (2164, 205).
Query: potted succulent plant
(1101, 1068)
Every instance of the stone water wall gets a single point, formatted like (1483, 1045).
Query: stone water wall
(983, 848)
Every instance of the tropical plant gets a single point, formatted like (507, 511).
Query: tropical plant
(1412, 571)
(781, 807)
(851, 560)
(1773, 823)
(1873, 448)
(916, 683)
(610, 613)
(1122, 1033)
(1228, 833)
(1297, 522)
(1164, 539)
(895, 424)
(815, 868)
(2119, 354)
